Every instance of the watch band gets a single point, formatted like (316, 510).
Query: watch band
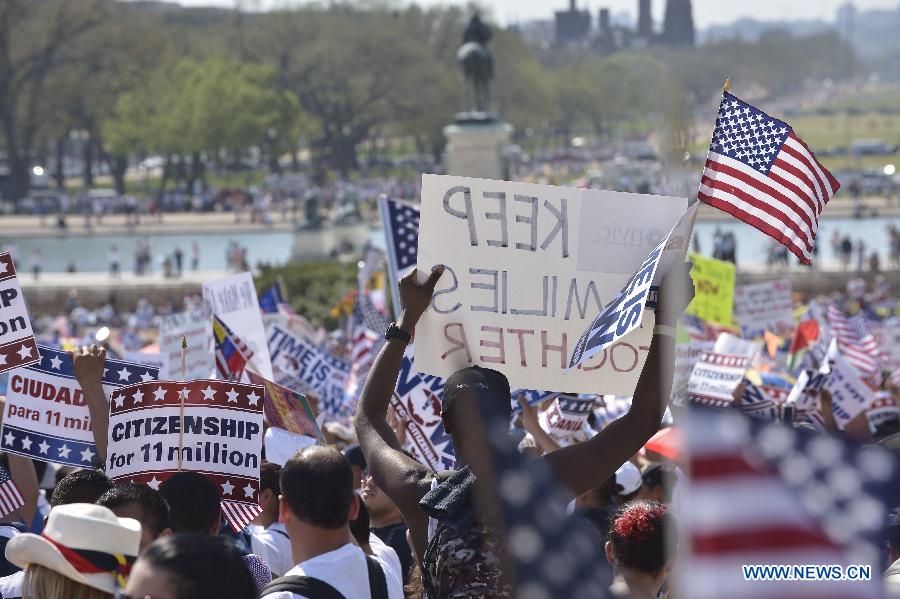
(395, 332)
(664, 329)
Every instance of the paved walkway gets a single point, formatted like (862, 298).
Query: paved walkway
(19, 226)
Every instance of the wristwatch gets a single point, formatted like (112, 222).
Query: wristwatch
(395, 332)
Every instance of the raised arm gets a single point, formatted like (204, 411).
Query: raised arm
(88, 363)
(403, 479)
(583, 466)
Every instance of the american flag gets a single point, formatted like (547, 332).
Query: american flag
(551, 553)
(856, 343)
(401, 231)
(763, 493)
(760, 172)
(238, 514)
(232, 354)
(10, 497)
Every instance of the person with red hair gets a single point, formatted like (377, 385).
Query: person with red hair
(641, 547)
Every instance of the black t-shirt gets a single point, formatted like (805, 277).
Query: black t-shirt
(394, 536)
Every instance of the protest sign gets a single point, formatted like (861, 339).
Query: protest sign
(726, 343)
(609, 408)
(888, 337)
(686, 356)
(218, 433)
(715, 377)
(849, 393)
(532, 397)
(234, 300)
(46, 417)
(154, 360)
(883, 410)
(286, 409)
(566, 418)
(17, 344)
(713, 289)
(762, 307)
(805, 393)
(195, 328)
(417, 403)
(762, 401)
(528, 266)
(303, 367)
(625, 313)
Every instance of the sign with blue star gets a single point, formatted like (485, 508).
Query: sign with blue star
(46, 417)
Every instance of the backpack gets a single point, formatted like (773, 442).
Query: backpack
(313, 588)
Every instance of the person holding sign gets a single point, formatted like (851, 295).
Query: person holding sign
(441, 502)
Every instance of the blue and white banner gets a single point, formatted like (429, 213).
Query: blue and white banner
(624, 314)
(417, 403)
(301, 366)
(46, 416)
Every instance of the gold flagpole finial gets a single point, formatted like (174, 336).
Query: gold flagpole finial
(727, 86)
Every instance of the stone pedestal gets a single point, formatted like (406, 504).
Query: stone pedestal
(478, 148)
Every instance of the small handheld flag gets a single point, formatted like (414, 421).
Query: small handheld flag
(232, 354)
(10, 497)
(760, 172)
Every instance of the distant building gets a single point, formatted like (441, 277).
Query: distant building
(645, 20)
(573, 26)
(678, 24)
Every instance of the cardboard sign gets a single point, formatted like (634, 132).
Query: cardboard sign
(715, 377)
(221, 436)
(234, 300)
(46, 417)
(286, 409)
(762, 401)
(849, 393)
(686, 357)
(882, 410)
(805, 394)
(301, 366)
(528, 266)
(713, 289)
(566, 418)
(762, 307)
(417, 403)
(195, 328)
(17, 344)
(625, 313)
(154, 360)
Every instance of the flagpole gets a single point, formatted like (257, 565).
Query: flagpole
(181, 400)
(727, 85)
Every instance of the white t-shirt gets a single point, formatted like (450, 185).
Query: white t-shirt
(273, 545)
(345, 569)
(11, 586)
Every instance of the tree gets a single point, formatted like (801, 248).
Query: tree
(34, 40)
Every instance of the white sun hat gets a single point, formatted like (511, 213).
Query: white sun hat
(84, 542)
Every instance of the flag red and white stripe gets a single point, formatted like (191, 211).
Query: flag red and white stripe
(759, 171)
(239, 514)
(10, 497)
(861, 351)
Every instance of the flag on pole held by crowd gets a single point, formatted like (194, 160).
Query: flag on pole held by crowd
(10, 497)
(232, 354)
(855, 342)
(764, 494)
(401, 232)
(272, 299)
(759, 171)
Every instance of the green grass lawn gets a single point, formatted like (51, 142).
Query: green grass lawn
(826, 131)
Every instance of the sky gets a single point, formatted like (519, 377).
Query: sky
(706, 12)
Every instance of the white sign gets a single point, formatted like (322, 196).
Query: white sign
(686, 357)
(882, 411)
(17, 345)
(197, 330)
(625, 313)
(218, 432)
(528, 267)
(152, 359)
(762, 307)
(849, 394)
(715, 377)
(805, 394)
(234, 300)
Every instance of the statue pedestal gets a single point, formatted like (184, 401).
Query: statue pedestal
(478, 148)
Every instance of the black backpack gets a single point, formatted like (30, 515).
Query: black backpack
(313, 588)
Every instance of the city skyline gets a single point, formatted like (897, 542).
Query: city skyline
(706, 12)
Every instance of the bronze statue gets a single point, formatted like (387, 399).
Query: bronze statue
(477, 64)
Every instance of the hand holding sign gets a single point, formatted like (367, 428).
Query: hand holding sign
(675, 293)
(88, 364)
(415, 296)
